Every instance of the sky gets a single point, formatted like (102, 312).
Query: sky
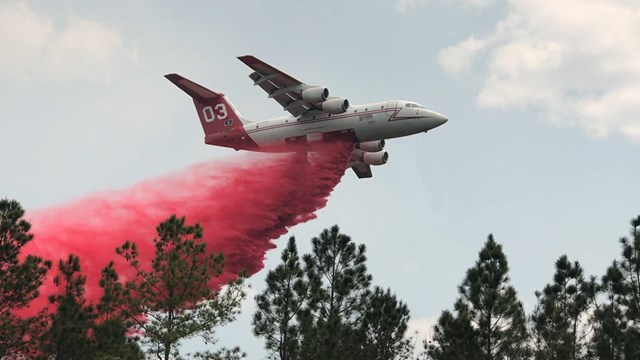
(541, 147)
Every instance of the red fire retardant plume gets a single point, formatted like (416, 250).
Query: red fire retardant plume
(242, 207)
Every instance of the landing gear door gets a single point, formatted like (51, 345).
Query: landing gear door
(391, 107)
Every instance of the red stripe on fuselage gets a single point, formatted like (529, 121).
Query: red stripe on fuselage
(300, 122)
(240, 139)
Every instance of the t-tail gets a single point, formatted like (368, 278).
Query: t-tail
(215, 111)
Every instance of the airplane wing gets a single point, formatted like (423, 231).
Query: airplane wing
(362, 170)
(285, 89)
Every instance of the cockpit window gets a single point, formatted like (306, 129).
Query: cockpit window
(407, 105)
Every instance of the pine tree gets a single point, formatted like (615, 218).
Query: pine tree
(68, 334)
(496, 320)
(630, 266)
(19, 282)
(339, 285)
(326, 310)
(279, 305)
(560, 319)
(617, 321)
(454, 337)
(608, 318)
(112, 323)
(493, 304)
(173, 296)
(384, 325)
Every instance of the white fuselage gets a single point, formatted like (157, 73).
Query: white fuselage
(369, 122)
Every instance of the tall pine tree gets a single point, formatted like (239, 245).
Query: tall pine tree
(384, 326)
(19, 282)
(279, 305)
(490, 320)
(454, 337)
(609, 317)
(630, 266)
(560, 321)
(68, 334)
(112, 323)
(617, 320)
(339, 285)
(326, 310)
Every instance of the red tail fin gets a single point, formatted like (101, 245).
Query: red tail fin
(216, 113)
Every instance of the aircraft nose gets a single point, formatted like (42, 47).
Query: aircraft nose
(437, 118)
(441, 119)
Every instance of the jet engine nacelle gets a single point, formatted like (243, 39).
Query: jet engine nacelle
(315, 94)
(334, 106)
(370, 158)
(371, 146)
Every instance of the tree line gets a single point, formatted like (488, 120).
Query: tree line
(321, 305)
(575, 316)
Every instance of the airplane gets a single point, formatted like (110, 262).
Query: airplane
(314, 117)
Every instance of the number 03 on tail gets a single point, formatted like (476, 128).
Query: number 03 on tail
(314, 116)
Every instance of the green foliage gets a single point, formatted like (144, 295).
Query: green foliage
(491, 306)
(454, 337)
(112, 325)
(68, 335)
(19, 282)
(223, 354)
(326, 310)
(339, 286)
(172, 301)
(617, 320)
(609, 318)
(279, 304)
(384, 325)
(630, 267)
(561, 318)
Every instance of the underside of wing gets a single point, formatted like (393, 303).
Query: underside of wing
(362, 170)
(293, 95)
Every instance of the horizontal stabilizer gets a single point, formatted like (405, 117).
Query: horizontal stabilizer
(194, 90)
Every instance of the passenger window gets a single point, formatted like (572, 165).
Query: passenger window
(381, 107)
(355, 111)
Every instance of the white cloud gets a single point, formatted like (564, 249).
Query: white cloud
(458, 58)
(576, 60)
(34, 48)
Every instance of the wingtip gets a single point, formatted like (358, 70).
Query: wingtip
(173, 76)
(247, 58)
